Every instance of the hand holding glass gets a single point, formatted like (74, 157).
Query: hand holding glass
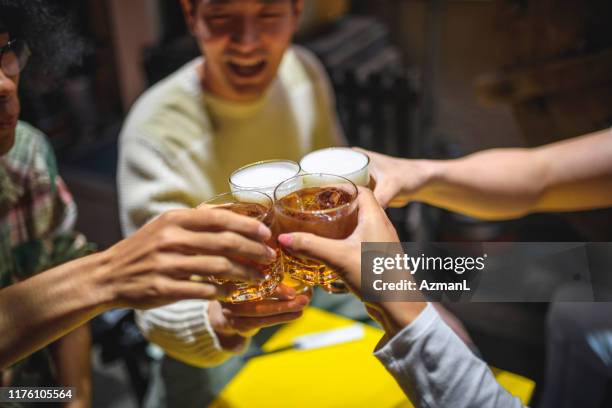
(321, 204)
(259, 206)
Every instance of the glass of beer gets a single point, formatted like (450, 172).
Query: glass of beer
(321, 204)
(256, 205)
(263, 176)
(340, 161)
(345, 162)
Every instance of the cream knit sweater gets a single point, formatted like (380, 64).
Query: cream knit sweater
(178, 147)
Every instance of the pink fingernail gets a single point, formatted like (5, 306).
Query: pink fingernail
(285, 240)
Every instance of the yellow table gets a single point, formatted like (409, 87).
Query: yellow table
(345, 375)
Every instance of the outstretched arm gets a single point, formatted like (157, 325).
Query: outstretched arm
(150, 268)
(45, 307)
(72, 357)
(571, 175)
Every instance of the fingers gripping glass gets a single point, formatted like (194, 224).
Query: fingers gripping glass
(256, 205)
(14, 57)
(320, 204)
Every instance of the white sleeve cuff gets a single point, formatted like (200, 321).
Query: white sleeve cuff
(183, 331)
(398, 346)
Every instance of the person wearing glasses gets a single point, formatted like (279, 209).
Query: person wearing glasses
(36, 209)
(48, 288)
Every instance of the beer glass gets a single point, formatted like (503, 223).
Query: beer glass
(263, 176)
(256, 205)
(345, 162)
(321, 204)
(340, 161)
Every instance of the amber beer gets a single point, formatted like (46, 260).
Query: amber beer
(340, 161)
(265, 176)
(321, 204)
(345, 162)
(256, 205)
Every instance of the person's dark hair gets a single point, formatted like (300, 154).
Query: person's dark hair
(54, 44)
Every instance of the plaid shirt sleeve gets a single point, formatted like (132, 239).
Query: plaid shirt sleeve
(44, 217)
(37, 219)
(64, 243)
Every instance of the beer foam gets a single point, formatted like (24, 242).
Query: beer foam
(338, 161)
(264, 175)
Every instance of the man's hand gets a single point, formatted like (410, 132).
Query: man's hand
(397, 180)
(154, 266)
(235, 322)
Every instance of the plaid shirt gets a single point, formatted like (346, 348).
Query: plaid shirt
(37, 216)
(37, 213)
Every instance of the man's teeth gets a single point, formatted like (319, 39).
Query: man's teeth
(247, 69)
(247, 64)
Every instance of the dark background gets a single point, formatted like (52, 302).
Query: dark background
(413, 78)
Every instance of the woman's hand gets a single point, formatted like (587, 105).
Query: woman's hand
(344, 256)
(398, 180)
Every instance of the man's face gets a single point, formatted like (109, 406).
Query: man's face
(244, 42)
(9, 105)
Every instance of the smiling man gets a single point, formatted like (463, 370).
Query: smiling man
(251, 96)
(245, 42)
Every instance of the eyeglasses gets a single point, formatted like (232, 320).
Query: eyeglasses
(14, 57)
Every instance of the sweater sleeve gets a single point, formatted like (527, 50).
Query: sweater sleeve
(183, 331)
(436, 369)
(150, 182)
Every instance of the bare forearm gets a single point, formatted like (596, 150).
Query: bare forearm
(42, 309)
(507, 183)
(578, 173)
(71, 354)
(394, 316)
(493, 184)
